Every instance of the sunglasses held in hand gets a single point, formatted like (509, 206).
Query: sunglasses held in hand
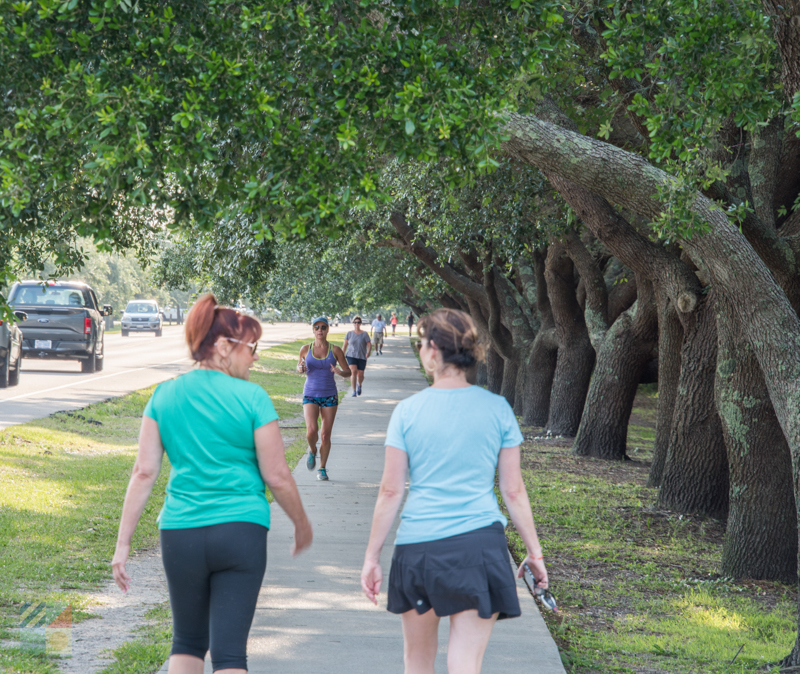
(542, 593)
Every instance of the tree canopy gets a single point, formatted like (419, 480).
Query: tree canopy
(668, 130)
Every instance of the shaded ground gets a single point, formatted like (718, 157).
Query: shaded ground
(638, 587)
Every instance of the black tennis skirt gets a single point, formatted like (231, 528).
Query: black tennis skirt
(455, 574)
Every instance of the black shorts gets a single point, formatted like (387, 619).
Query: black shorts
(455, 574)
(214, 574)
(360, 363)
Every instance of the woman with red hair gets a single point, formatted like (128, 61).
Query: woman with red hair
(221, 435)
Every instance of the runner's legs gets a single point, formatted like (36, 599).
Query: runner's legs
(353, 376)
(328, 415)
(311, 414)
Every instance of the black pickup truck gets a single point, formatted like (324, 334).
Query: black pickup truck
(63, 321)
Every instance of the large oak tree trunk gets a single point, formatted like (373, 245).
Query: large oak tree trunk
(625, 350)
(576, 356)
(541, 368)
(670, 340)
(761, 538)
(494, 370)
(696, 472)
(540, 363)
(769, 322)
(519, 391)
(481, 375)
(509, 388)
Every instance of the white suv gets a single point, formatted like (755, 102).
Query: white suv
(141, 316)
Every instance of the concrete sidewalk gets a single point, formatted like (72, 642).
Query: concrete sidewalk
(312, 617)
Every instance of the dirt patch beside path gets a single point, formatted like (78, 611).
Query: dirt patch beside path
(120, 614)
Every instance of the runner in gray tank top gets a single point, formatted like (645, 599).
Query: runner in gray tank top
(320, 397)
(357, 348)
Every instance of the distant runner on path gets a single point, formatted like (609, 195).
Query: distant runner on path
(393, 321)
(320, 397)
(378, 328)
(451, 555)
(357, 347)
(221, 435)
(410, 321)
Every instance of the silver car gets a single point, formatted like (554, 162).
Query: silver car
(141, 316)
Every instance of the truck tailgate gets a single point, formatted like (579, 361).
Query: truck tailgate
(64, 324)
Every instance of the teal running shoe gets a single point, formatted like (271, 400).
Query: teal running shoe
(358, 390)
(322, 474)
(311, 461)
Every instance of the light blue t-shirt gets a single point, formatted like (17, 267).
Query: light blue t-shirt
(206, 420)
(453, 439)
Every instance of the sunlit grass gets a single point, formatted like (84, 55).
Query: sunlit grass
(62, 482)
(638, 588)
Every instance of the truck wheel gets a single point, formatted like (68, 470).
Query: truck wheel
(4, 371)
(99, 362)
(13, 375)
(90, 364)
(124, 333)
(158, 332)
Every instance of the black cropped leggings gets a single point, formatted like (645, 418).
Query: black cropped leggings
(214, 574)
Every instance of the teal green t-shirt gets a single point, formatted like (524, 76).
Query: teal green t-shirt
(206, 420)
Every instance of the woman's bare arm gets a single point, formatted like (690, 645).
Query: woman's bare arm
(301, 361)
(143, 477)
(515, 496)
(390, 495)
(277, 476)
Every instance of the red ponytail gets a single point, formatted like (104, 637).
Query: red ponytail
(208, 321)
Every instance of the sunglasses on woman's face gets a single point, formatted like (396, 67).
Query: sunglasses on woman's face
(253, 345)
(356, 322)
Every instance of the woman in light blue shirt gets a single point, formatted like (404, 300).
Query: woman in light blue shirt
(451, 555)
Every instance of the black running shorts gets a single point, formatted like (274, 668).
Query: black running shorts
(455, 574)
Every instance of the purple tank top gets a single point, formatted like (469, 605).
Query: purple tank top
(319, 378)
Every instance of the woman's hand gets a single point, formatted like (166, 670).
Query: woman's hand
(536, 565)
(301, 366)
(371, 579)
(303, 535)
(121, 578)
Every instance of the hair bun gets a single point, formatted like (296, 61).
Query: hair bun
(455, 336)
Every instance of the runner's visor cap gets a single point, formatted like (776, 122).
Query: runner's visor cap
(320, 319)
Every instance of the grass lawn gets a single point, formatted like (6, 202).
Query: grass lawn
(638, 588)
(62, 483)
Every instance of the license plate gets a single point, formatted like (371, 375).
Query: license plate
(42, 344)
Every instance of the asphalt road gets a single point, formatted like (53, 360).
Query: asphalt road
(131, 363)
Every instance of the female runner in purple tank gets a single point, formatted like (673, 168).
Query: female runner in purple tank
(320, 397)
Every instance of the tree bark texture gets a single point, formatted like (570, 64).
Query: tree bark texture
(761, 536)
(481, 375)
(769, 323)
(540, 359)
(540, 370)
(509, 387)
(622, 356)
(494, 370)
(519, 391)
(670, 340)
(696, 471)
(786, 20)
(576, 355)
